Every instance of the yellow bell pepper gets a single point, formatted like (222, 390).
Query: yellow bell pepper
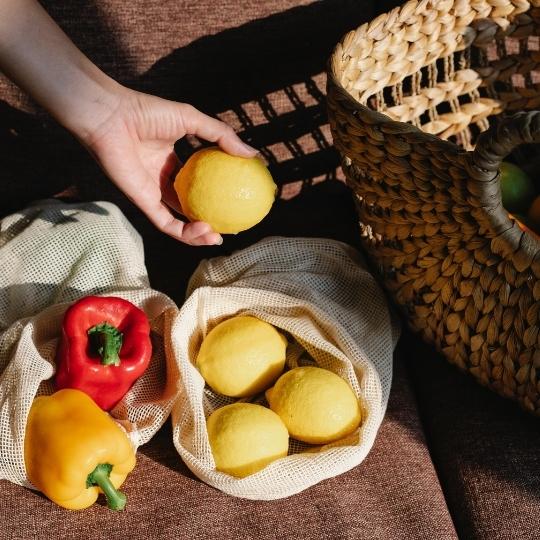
(74, 451)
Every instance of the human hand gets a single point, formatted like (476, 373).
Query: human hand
(135, 147)
(129, 133)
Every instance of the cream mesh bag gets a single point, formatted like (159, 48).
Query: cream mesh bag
(52, 254)
(335, 315)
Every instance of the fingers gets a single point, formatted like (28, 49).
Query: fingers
(170, 198)
(195, 234)
(147, 196)
(166, 180)
(198, 233)
(213, 130)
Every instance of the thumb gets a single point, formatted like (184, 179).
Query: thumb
(213, 130)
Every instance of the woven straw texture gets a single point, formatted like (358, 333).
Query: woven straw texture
(51, 254)
(409, 96)
(335, 315)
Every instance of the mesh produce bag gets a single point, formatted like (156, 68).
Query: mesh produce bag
(52, 254)
(335, 315)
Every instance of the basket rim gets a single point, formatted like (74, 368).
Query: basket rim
(524, 245)
(381, 118)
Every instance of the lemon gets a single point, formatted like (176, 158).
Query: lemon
(230, 193)
(245, 438)
(517, 189)
(315, 404)
(242, 356)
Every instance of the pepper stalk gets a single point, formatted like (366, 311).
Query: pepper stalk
(106, 340)
(100, 476)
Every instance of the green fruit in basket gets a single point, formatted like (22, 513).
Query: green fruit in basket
(316, 404)
(517, 189)
(245, 438)
(242, 356)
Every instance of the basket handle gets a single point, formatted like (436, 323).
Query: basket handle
(484, 184)
(495, 144)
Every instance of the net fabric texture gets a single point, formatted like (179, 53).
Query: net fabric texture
(334, 314)
(52, 254)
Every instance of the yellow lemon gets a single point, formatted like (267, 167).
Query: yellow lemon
(242, 356)
(245, 438)
(315, 404)
(230, 193)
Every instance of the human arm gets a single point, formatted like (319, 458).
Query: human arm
(129, 133)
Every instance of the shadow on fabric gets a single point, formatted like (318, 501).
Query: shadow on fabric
(265, 78)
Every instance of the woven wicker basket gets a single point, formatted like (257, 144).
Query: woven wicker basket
(408, 96)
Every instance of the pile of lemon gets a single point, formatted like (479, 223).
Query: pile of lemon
(243, 356)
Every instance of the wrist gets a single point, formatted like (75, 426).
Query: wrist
(41, 59)
(91, 106)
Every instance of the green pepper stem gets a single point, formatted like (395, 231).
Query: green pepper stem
(106, 340)
(100, 476)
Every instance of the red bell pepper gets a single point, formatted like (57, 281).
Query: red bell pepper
(105, 347)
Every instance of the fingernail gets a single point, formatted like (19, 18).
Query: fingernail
(249, 149)
(219, 241)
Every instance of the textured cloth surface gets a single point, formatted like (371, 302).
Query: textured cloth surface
(486, 450)
(50, 255)
(317, 292)
(394, 494)
(258, 65)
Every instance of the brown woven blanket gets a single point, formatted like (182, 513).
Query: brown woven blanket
(450, 460)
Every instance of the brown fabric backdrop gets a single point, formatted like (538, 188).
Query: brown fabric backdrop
(259, 66)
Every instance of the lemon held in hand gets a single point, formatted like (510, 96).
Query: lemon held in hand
(242, 356)
(315, 404)
(245, 438)
(230, 193)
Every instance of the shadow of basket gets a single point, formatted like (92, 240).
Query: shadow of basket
(266, 79)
